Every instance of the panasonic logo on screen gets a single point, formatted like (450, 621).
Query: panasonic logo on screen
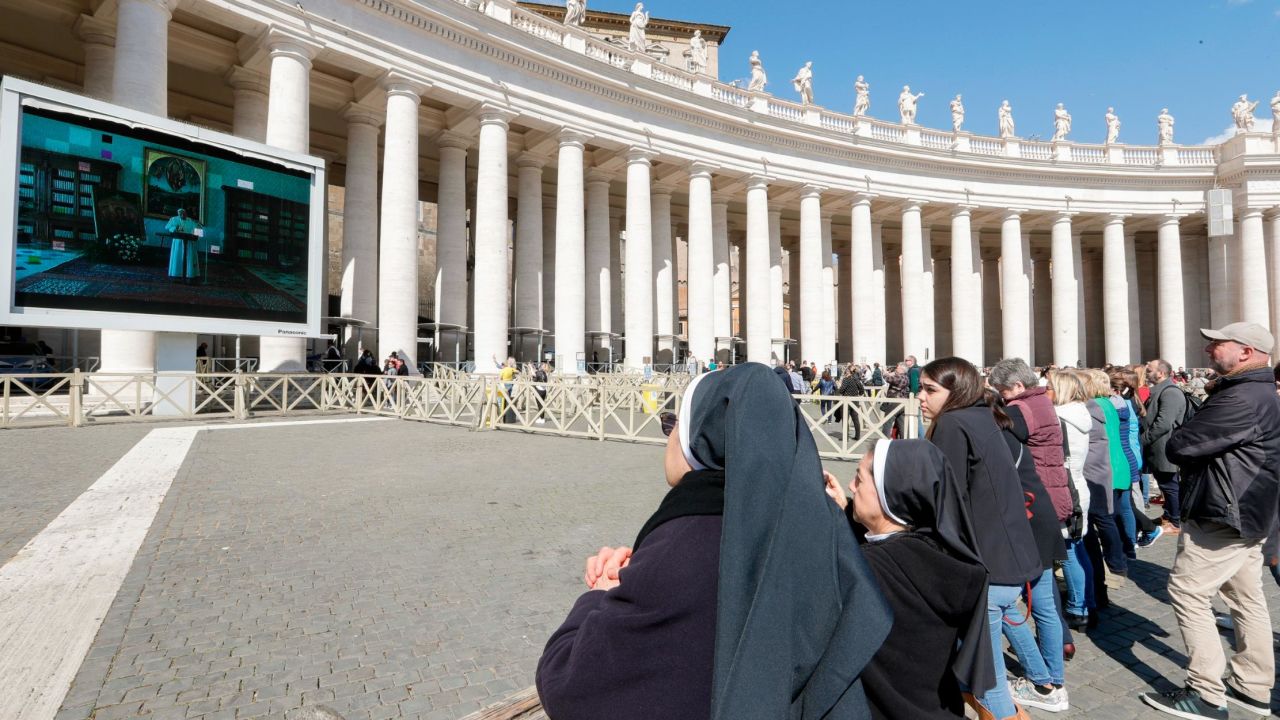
(290, 332)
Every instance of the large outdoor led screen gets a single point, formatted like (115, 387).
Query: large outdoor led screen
(153, 224)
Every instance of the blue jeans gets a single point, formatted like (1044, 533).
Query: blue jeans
(1041, 656)
(1001, 600)
(1126, 523)
(1146, 488)
(1078, 572)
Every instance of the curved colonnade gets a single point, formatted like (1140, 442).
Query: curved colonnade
(939, 243)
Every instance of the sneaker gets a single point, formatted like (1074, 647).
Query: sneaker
(1148, 539)
(1025, 692)
(1184, 703)
(1262, 709)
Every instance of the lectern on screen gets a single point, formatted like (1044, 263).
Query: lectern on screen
(113, 218)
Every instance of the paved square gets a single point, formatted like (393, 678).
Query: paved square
(402, 570)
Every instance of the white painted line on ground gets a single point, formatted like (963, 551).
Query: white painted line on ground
(55, 593)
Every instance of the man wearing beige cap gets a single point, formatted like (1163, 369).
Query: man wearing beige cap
(1229, 456)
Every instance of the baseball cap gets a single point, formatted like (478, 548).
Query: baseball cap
(1245, 333)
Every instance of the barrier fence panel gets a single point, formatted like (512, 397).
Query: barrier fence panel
(35, 399)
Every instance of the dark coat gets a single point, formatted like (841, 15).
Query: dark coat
(1229, 455)
(976, 449)
(1045, 526)
(646, 648)
(1166, 407)
(932, 595)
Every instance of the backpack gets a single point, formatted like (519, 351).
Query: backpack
(1192, 405)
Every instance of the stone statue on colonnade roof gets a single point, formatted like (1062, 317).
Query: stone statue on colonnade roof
(863, 103)
(1061, 123)
(803, 82)
(1242, 113)
(697, 53)
(907, 105)
(1275, 114)
(1113, 125)
(957, 114)
(575, 11)
(1164, 125)
(758, 78)
(636, 41)
(1006, 120)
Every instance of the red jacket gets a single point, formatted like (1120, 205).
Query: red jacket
(1045, 443)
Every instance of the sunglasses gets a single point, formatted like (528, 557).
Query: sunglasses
(668, 421)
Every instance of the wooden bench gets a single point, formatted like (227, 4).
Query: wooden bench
(523, 705)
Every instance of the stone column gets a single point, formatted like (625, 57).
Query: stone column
(398, 245)
(844, 306)
(993, 318)
(599, 298)
(639, 285)
(723, 279)
(492, 264)
(862, 285)
(1255, 306)
(793, 294)
(617, 259)
(528, 261)
(664, 274)
(879, 337)
(359, 298)
(99, 40)
(828, 294)
(759, 281)
(966, 288)
(1136, 326)
(571, 289)
(1015, 289)
(915, 340)
(895, 345)
(701, 266)
(548, 269)
(1066, 293)
(140, 80)
(249, 106)
(451, 246)
(1042, 304)
(812, 333)
(927, 310)
(1221, 305)
(1115, 293)
(1272, 226)
(777, 330)
(1171, 299)
(289, 127)
(943, 299)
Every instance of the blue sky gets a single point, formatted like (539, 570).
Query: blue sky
(1138, 56)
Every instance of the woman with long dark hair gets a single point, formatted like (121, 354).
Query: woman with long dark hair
(953, 397)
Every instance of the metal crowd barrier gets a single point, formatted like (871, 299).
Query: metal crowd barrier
(615, 407)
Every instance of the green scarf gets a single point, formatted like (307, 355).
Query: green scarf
(1120, 478)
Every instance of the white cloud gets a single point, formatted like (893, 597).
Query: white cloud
(1230, 132)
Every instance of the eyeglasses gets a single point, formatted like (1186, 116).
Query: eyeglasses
(668, 421)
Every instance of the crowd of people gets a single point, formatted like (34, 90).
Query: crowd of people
(762, 588)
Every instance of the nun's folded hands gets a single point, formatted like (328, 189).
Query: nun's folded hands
(603, 567)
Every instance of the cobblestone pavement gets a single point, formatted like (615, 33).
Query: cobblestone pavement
(404, 570)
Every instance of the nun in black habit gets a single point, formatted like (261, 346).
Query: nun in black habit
(919, 542)
(745, 596)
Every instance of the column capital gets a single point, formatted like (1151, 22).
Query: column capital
(495, 114)
(598, 175)
(357, 114)
(280, 41)
(1272, 213)
(721, 198)
(398, 83)
(913, 205)
(1176, 218)
(637, 155)
(963, 210)
(812, 191)
(1012, 214)
(167, 6)
(1116, 218)
(660, 190)
(699, 168)
(451, 139)
(243, 79)
(1251, 210)
(1064, 216)
(530, 160)
(568, 136)
(863, 198)
(94, 30)
(759, 181)
(775, 212)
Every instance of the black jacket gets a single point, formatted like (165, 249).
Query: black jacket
(976, 449)
(1229, 455)
(1166, 407)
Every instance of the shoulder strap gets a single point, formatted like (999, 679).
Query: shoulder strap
(1066, 446)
